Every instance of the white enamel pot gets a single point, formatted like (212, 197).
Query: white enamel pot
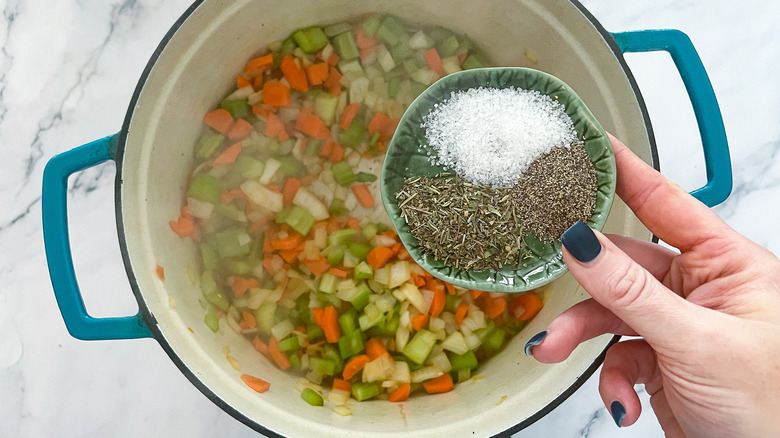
(192, 69)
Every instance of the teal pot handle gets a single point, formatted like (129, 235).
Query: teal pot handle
(55, 235)
(705, 105)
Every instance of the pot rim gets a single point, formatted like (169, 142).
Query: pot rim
(151, 321)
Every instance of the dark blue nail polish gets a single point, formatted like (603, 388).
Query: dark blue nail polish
(536, 340)
(618, 412)
(581, 242)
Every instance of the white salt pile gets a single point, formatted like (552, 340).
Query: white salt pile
(490, 135)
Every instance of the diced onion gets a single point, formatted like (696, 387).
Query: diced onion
(426, 373)
(441, 361)
(455, 343)
(282, 329)
(200, 209)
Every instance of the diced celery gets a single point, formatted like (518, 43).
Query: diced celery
(237, 266)
(348, 321)
(287, 47)
(420, 346)
(468, 360)
(295, 361)
(290, 166)
(351, 344)
(209, 257)
(341, 237)
(363, 271)
(205, 187)
(207, 145)
(311, 39)
(312, 148)
(313, 332)
(345, 46)
(337, 207)
(494, 340)
(300, 220)
(335, 29)
(386, 328)
(211, 291)
(353, 135)
(230, 211)
(212, 321)
(311, 397)
(371, 25)
(447, 46)
(369, 231)
(264, 316)
(439, 33)
(391, 31)
(325, 106)
(473, 61)
(289, 344)
(393, 85)
(401, 50)
(410, 66)
(233, 242)
(286, 147)
(336, 254)
(248, 167)
(364, 390)
(417, 88)
(367, 320)
(343, 173)
(238, 108)
(327, 283)
(361, 297)
(360, 250)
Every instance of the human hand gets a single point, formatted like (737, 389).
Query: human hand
(709, 316)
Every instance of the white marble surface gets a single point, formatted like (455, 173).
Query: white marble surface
(67, 71)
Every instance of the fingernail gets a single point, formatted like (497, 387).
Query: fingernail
(581, 242)
(618, 412)
(536, 340)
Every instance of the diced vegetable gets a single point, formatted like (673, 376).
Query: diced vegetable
(311, 39)
(345, 46)
(420, 346)
(311, 397)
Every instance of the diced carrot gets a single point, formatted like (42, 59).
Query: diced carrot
(418, 281)
(349, 113)
(257, 66)
(363, 195)
(437, 304)
(247, 321)
(400, 394)
(367, 51)
(219, 119)
(337, 272)
(460, 312)
(492, 307)
(290, 188)
(475, 293)
(311, 125)
(290, 256)
(183, 226)
(317, 267)
(327, 148)
(379, 256)
(257, 83)
(259, 385)
(341, 384)
(160, 272)
(317, 73)
(354, 223)
(396, 248)
(382, 124)
(333, 59)
(259, 224)
(240, 129)
(306, 180)
(338, 153)
(261, 347)
(354, 366)
(242, 284)
(432, 56)
(268, 265)
(229, 155)
(381, 146)
(403, 254)
(276, 354)
(262, 110)
(525, 306)
(242, 82)
(333, 81)
(330, 324)
(420, 321)
(440, 384)
(375, 348)
(276, 94)
(287, 243)
(450, 288)
(185, 212)
(273, 187)
(317, 313)
(275, 128)
(294, 73)
(363, 41)
(462, 57)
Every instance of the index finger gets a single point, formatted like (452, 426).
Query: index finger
(667, 210)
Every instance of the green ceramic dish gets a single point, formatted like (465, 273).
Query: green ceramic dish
(404, 160)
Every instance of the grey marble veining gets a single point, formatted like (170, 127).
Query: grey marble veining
(67, 71)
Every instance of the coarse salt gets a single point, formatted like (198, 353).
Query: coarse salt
(491, 135)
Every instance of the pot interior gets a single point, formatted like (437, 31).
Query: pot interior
(197, 67)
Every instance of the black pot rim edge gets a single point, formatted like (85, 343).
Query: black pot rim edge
(151, 322)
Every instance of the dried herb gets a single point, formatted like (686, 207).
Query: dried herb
(464, 225)
(556, 190)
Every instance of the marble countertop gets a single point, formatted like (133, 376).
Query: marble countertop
(67, 71)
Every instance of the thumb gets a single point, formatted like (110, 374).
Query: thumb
(627, 289)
